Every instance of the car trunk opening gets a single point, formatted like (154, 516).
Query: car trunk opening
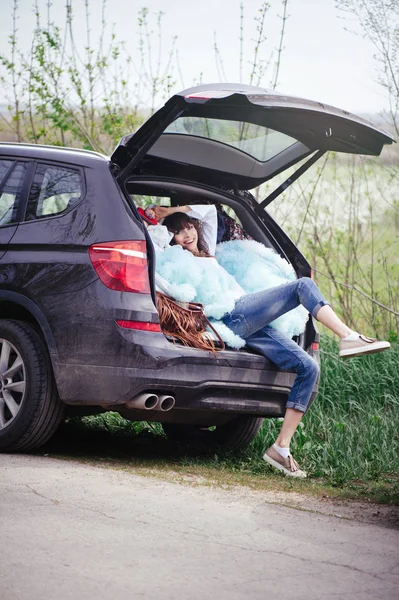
(255, 222)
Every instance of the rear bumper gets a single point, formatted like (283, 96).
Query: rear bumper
(237, 382)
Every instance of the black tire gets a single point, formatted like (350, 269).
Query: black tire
(232, 436)
(30, 408)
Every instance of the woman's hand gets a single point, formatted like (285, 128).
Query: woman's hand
(161, 212)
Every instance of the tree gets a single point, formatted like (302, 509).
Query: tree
(379, 23)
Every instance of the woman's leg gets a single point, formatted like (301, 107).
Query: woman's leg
(292, 418)
(327, 317)
(249, 319)
(287, 355)
(254, 311)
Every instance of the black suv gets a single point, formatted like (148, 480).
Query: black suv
(79, 328)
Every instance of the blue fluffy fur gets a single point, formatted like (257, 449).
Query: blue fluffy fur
(197, 280)
(251, 264)
(257, 268)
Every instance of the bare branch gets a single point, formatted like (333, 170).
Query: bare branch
(359, 291)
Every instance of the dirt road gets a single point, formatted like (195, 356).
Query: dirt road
(79, 532)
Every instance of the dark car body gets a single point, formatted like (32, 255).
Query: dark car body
(47, 278)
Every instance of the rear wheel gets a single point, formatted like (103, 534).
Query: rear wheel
(232, 436)
(30, 408)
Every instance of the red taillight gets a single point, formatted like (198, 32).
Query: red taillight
(122, 266)
(141, 325)
(315, 346)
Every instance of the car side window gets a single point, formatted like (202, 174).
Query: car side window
(54, 190)
(12, 174)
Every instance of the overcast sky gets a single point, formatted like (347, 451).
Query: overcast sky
(320, 61)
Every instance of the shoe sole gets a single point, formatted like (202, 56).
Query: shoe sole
(277, 465)
(362, 350)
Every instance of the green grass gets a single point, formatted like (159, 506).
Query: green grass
(351, 431)
(348, 442)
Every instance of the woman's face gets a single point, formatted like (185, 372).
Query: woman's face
(187, 237)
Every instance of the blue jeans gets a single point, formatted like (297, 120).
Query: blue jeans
(250, 318)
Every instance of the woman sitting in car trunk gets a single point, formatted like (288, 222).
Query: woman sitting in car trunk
(195, 230)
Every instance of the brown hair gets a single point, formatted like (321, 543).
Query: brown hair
(178, 221)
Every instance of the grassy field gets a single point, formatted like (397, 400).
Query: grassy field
(348, 442)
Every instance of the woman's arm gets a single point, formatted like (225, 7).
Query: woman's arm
(206, 213)
(161, 212)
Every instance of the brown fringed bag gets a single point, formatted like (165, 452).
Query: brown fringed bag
(187, 322)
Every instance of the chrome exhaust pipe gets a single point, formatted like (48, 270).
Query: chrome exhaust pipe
(166, 403)
(144, 401)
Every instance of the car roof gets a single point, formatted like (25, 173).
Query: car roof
(77, 156)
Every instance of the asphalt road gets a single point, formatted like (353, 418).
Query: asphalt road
(79, 532)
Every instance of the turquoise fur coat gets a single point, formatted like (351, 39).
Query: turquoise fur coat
(251, 264)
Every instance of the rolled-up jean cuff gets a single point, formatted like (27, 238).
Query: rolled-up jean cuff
(296, 406)
(318, 307)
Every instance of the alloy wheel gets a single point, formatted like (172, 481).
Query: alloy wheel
(12, 382)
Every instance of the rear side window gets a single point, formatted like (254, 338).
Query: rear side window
(12, 174)
(54, 190)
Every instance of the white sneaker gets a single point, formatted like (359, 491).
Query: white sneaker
(288, 465)
(363, 345)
